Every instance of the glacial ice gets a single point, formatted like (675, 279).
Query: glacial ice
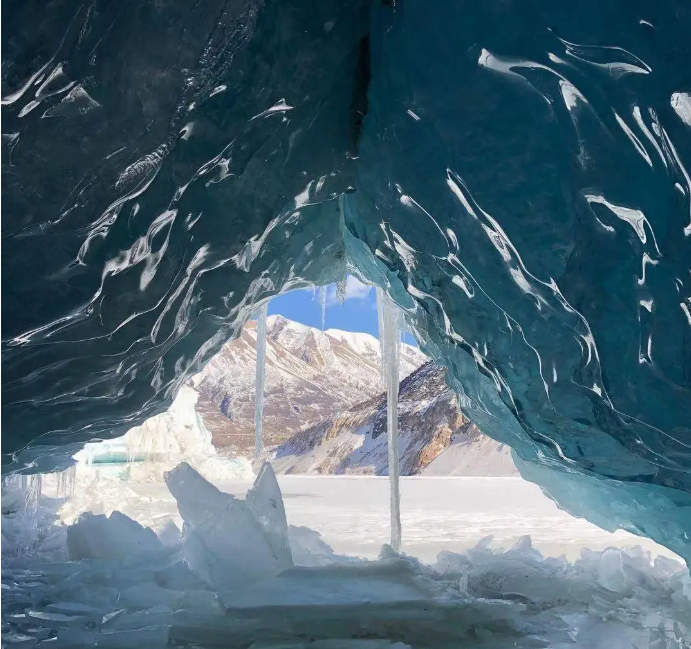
(156, 446)
(515, 177)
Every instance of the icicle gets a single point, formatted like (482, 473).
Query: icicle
(66, 482)
(380, 322)
(341, 290)
(314, 293)
(33, 486)
(391, 346)
(259, 383)
(23, 494)
(322, 296)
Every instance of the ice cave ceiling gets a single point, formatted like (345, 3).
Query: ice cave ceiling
(515, 173)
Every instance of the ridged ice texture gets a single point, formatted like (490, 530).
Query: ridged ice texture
(531, 165)
(521, 188)
(164, 168)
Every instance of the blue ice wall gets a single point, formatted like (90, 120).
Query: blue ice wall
(515, 174)
(164, 169)
(523, 173)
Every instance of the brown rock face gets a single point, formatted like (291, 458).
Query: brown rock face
(430, 426)
(438, 443)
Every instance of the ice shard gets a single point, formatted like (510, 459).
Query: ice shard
(266, 503)
(259, 380)
(391, 345)
(223, 542)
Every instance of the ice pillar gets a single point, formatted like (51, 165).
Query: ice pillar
(259, 382)
(391, 347)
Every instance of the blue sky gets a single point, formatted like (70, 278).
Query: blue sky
(357, 313)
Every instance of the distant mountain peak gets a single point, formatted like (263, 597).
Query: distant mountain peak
(310, 375)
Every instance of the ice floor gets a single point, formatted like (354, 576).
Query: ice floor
(247, 572)
(438, 513)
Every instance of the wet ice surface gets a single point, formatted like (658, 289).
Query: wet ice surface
(241, 575)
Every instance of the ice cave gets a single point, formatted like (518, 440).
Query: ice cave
(512, 177)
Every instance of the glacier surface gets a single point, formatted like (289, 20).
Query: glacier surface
(514, 175)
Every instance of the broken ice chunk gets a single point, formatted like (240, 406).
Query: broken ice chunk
(309, 548)
(114, 537)
(58, 620)
(150, 637)
(357, 643)
(610, 571)
(40, 633)
(157, 616)
(266, 503)
(74, 608)
(73, 638)
(374, 582)
(170, 535)
(18, 641)
(200, 600)
(147, 594)
(222, 540)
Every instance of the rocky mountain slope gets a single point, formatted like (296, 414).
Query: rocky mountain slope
(434, 437)
(311, 375)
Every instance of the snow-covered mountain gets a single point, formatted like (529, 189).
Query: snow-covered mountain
(311, 375)
(433, 438)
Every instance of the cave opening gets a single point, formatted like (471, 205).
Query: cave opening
(513, 176)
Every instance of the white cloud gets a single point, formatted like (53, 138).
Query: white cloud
(354, 290)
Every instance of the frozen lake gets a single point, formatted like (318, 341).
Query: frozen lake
(122, 588)
(438, 513)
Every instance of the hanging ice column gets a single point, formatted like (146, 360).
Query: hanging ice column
(322, 298)
(390, 342)
(259, 382)
(380, 324)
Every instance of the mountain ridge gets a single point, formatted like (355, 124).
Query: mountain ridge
(310, 376)
(434, 437)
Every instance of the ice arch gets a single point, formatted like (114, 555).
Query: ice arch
(514, 174)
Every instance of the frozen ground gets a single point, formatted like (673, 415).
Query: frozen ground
(438, 513)
(247, 573)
